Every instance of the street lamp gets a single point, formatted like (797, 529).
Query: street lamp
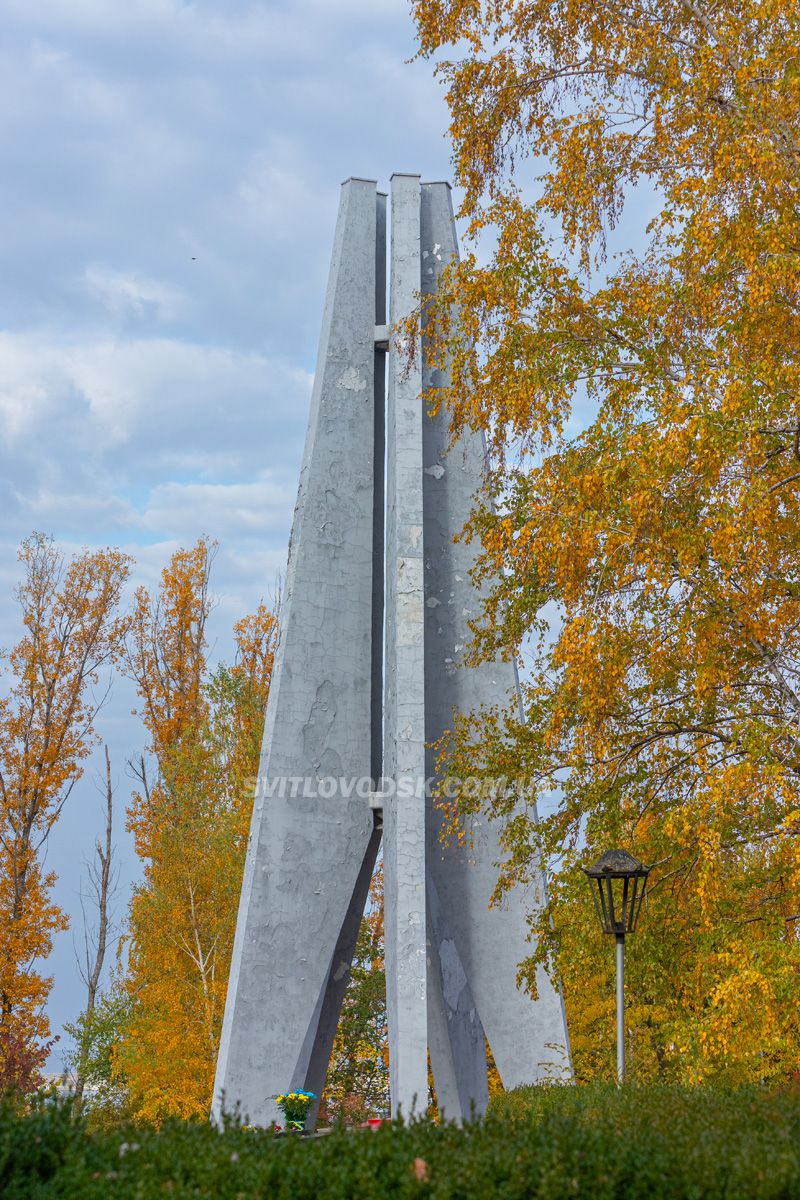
(618, 881)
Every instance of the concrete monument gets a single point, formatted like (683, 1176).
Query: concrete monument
(368, 672)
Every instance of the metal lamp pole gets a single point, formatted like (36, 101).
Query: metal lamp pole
(620, 1007)
(618, 882)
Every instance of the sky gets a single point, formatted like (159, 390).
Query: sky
(171, 179)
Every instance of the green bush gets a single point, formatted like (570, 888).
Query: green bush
(543, 1143)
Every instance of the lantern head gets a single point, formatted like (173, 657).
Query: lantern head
(618, 881)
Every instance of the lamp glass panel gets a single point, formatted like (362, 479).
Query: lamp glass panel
(640, 888)
(596, 888)
(609, 905)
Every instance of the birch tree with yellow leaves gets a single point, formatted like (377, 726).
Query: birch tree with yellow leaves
(56, 682)
(639, 531)
(190, 819)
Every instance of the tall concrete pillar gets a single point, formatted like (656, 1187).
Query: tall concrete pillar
(313, 840)
(477, 947)
(404, 690)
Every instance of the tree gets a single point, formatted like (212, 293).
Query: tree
(357, 1085)
(94, 1056)
(190, 821)
(73, 632)
(95, 943)
(639, 528)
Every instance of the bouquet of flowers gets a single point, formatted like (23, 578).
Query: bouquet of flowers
(295, 1106)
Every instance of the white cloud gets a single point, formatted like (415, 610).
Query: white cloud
(47, 509)
(295, 30)
(233, 511)
(172, 167)
(44, 58)
(165, 399)
(129, 293)
(277, 194)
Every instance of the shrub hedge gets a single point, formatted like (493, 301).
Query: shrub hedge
(543, 1143)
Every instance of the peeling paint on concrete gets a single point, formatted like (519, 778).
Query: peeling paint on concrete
(352, 381)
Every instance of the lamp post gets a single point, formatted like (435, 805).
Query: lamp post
(618, 882)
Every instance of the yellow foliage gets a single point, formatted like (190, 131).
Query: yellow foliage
(357, 1085)
(191, 826)
(640, 527)
(73, 634)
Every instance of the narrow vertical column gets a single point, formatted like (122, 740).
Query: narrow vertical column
(404, 706)
(378, 496)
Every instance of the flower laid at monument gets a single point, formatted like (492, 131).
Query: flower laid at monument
(295, 1106)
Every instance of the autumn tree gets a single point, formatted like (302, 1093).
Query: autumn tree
(639, 531)
(97, 1036)
(97, 939)
(73, 634)
(357, 1086)
(190, 819)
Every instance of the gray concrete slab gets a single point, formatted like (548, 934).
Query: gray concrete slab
(456, 1039)
(309, 854)
(528, 1039)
